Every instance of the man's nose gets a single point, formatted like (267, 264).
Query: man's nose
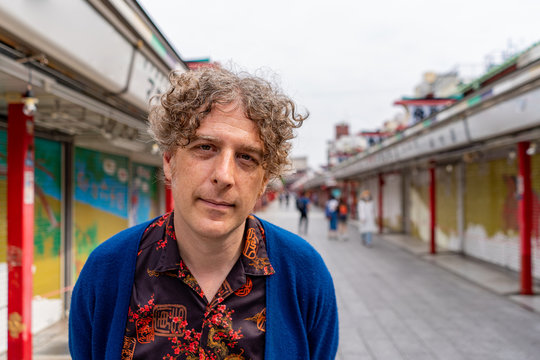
(224, 169)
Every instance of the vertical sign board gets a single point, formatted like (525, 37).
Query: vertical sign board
(20, 221)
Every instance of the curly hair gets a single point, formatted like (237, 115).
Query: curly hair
(174, 120)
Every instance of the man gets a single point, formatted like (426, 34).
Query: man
(209, 280)
(302, 204)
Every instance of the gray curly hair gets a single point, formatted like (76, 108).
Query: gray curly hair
(174, 120)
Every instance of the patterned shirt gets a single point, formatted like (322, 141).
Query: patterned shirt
(169, 317)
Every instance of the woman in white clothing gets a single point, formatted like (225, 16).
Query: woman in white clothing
(366, 217)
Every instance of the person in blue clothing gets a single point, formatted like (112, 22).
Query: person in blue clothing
(331, 210)
(302, 204)
(210, 280)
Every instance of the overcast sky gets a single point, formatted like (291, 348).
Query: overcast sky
(347, 61)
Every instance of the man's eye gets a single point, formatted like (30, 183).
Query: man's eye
(246, 157)
(205, 147)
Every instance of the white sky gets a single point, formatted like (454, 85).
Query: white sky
(346, 60)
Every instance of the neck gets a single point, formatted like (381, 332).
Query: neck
(209, 259)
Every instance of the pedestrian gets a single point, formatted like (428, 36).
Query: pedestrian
(287, 196)
(343, 215)
(302, 204)
(331, 210)
(209, 280)
(366, 217)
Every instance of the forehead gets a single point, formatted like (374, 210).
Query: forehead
(229, 117)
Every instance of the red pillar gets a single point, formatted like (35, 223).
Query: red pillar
(169, 201)
(525, 216)
(381, 213)
(20, 231)
(432, 209)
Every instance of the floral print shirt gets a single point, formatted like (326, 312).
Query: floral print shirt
(169, 317)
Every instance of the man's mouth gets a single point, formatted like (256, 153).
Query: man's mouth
(217, 203)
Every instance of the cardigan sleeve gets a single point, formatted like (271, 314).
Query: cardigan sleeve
(323, 331)
(80, 317)
(302, 315)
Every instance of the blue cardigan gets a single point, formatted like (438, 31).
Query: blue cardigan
(301, 316)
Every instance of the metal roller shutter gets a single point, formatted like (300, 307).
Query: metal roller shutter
(491, 212)
(392, 203)
(447, 233)
(419, 214)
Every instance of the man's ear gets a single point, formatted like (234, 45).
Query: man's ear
(263, 187)
(167, 167)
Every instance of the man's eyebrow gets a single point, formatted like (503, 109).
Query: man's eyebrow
(254, 150)
(205, 137)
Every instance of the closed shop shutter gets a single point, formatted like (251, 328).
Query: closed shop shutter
(491, 212)
(419, 213)
(101, 200)
(447, 233)
(47, 282)
(392, 203)
(144, 194)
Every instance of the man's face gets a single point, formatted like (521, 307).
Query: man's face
(217, 178)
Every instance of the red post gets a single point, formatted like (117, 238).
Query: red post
(525, 216)
(355, 199)
(432, 209)
(169, 200)
(380, 201)
(20, 231)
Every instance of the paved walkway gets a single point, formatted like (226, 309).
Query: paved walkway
(397, 302)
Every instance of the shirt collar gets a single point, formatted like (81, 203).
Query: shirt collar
(254, 258)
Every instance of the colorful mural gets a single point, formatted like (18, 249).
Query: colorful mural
(101, 200)
(144, 201)
(47, 214)
(47, 218)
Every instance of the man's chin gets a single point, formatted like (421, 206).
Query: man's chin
(217, 229)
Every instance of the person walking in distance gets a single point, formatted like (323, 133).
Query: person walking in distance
(366, 217)
(343, 215)
(331, 210)
(210, 280)
(302, 204)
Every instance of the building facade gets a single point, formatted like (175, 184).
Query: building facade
(76, 78)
